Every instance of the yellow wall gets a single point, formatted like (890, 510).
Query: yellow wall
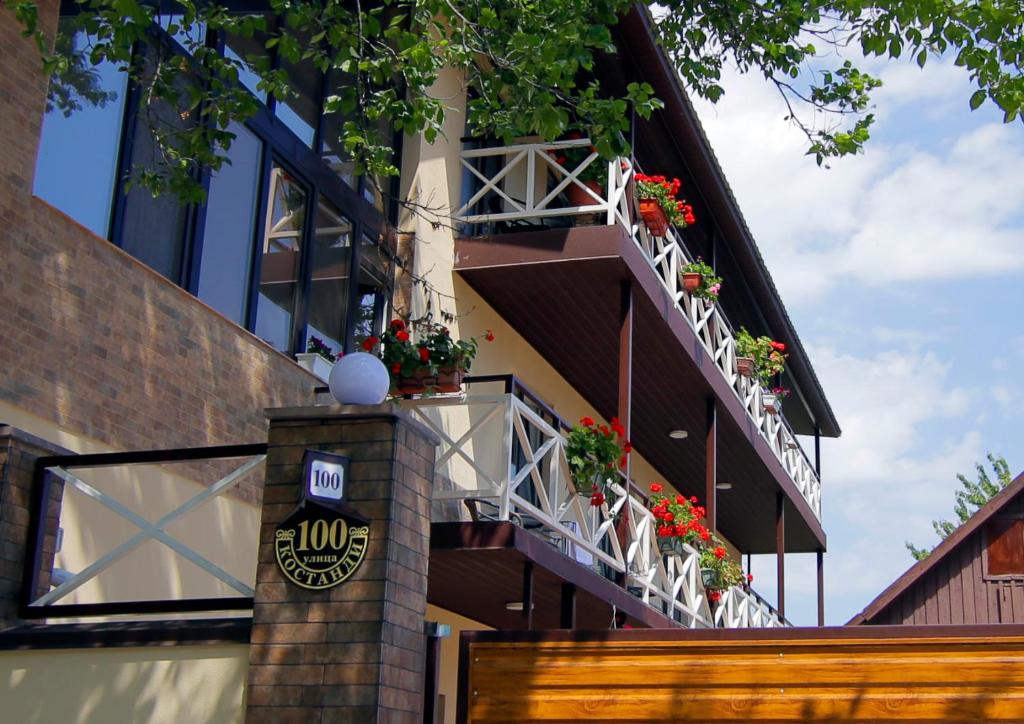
(449, 684)
(225, 530)
(172, 684)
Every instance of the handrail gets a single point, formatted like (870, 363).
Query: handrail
(531, 166)
(495, 447)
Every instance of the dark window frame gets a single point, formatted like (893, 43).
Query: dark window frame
(1016, 521)
(281, 146)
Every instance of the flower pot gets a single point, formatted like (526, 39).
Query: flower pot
(670, 544)
(450, 380)
(315, 364)
(579, 197)
(771, 402)
(745, 366)
(709, 577)
(654, 216)
(415, 385)
(691, 281)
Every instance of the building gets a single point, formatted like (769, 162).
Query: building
(140, 324)
(974, 576)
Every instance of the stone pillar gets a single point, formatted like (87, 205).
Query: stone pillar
(354, 652)
(18, 454)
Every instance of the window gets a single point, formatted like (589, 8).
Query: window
(84, 102)
(279, 267)
(331, 266)
(301, 111)
(373, 291)
(1005, 547)
(225, 265)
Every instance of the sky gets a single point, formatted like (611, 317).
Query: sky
(903, 271)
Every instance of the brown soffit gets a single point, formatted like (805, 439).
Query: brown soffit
(639, 33)
(919, 569)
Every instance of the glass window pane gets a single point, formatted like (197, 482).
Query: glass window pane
(331, 264)
(226, 263)
(279, 270)
(153, 229)
(374, 291)
(301, 111)
(249, 51)
(86, 101)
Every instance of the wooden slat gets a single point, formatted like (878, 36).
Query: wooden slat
(923, 679)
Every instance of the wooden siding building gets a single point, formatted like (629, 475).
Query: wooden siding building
(976, 575)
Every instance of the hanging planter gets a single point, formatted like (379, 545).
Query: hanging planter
(745, 366)
(691, 281)
(654, 217)
(416, 384)
(578, 195)
(771, 403)
(710, 578)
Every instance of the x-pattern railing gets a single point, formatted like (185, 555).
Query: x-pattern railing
(519, 464)
(50, 469)
(742, 609)
(666, 255)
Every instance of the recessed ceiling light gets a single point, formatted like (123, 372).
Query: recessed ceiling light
(517, 606)
(723, 486)
(679, 434)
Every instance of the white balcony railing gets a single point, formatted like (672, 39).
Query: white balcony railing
(532, 172)
(501, 460)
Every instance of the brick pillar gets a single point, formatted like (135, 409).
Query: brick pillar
(18, 454)
(355, 652)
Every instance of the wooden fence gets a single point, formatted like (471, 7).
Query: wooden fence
(918, 674)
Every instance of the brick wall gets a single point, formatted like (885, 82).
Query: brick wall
(95, 342)
(355, 652)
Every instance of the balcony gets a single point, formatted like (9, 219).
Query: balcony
(502, 460)
(569, 256)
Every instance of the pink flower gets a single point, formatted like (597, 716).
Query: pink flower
(713, 289)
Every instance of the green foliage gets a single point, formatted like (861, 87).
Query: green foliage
(710, 283)
(530, 66)
(972, 496)
(430, 350)
(715, 557)
(594, 453)
(769, 356)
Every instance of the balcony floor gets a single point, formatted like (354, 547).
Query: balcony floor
(476, 568)
(577, 272)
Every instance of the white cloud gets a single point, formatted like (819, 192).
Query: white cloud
(919, 211)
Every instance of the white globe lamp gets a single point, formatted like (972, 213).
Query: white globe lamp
(359, 379)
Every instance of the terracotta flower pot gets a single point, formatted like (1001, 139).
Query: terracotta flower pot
(691, 281)
(415, 385)
(450, 380)
(579, 197)
(654, 217)
(745, 366)
(772, 403)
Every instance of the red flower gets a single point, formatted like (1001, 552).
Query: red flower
(680, 500)
(489, 336)
(669, 518)
(402, 336)
(778, 346)
(369, 343)
(693, 498)
(664, 530)
(397, 324)
(680, 530)
(396, 368)
(714, 596)
(622, 461)
(597, 498)
(627, 447)
(704, 534)
(587, 421)
(750, 578)
(719, 552)
(605, 431)
(656, 487)
(424, 354)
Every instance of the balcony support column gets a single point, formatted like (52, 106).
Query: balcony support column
(625, 397)
(528, 595)
(711, 465)
(780, 551)
(568, 617)
(821, 587)
(817, 451)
